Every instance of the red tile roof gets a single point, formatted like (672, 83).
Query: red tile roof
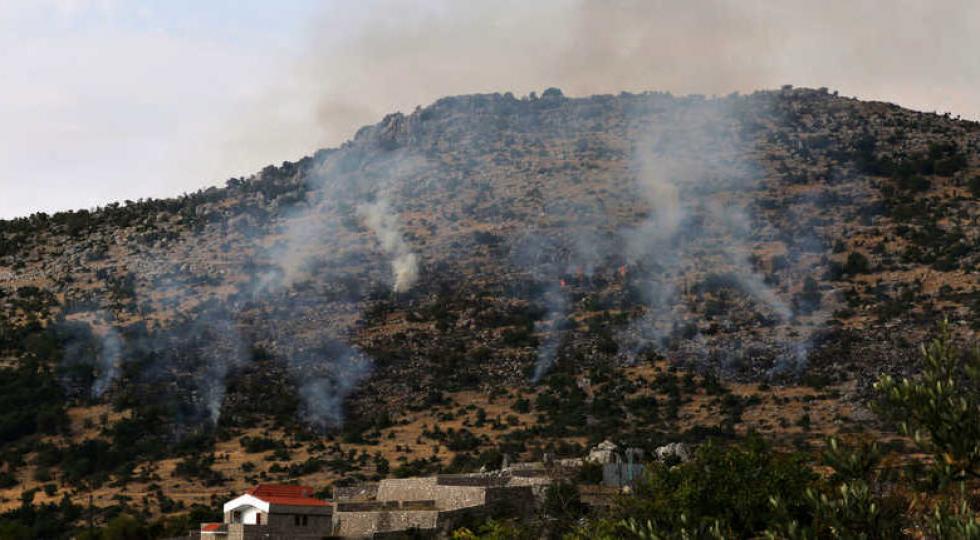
(210, 527)
(286, 495)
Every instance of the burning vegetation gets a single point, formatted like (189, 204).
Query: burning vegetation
(556, 248)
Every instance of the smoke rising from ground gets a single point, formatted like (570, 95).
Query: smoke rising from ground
(584, 47)
(109, 359)
(346, 191)
(575, 254)
(98, 348)
(540, 257)
(693, 169)
(329, 374)
(383, 221)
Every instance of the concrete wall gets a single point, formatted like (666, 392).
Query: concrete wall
(511, 501)
(621, 474)
(315, 523)
(250, 515)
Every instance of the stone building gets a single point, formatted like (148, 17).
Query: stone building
(433, 505)
(273, 512)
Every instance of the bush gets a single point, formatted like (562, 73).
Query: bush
(522, 406)
(199, 467)
(563, 505)
(590, 473)
(809, 299)
(860, 498)
(856, 263)
(254, 445)
(974, 186)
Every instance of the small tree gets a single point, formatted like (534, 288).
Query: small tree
(858, 500)
(856, 263)
(940, 408)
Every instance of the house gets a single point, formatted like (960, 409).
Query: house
(273, 512)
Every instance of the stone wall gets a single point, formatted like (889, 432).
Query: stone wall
(470, 480)
(365, 524)
(599, 495)
(512, 501)
(435, 504)
(428, 489)
(379, 506)
(360, 492)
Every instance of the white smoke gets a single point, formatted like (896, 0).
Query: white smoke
(351, 185)
(109, 360)
(329, 374)
(692, 170)
(97, 346)
(223, 351)
(550, 326)
(384, 223)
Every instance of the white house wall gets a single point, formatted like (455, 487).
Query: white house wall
(246, 500)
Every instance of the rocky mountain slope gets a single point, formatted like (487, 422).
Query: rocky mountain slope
(560, 256)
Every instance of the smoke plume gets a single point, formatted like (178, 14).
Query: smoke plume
(108, 359)
(380, 218)
(592, 47)
(345, 190)
(326, 376)
(695, 174)
(94, 347)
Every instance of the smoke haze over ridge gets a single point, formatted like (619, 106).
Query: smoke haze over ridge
(83, 130)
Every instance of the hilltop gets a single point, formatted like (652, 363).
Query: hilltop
(488, 275)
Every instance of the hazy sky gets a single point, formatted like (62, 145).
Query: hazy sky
(104, 100)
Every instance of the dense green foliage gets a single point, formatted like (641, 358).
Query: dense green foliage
(729, 485)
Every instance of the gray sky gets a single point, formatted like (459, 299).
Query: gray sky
(104, 100)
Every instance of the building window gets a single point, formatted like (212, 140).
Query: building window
(296, 520)
(236, 517)
(300, 521)
(305, 523)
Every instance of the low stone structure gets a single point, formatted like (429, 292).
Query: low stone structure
(676, 452)
(434, 504)
(604, 452)
(426, 506)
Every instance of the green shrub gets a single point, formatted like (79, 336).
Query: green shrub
(856, 263)
(940, 408)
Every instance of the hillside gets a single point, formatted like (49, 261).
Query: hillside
(488, 275)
